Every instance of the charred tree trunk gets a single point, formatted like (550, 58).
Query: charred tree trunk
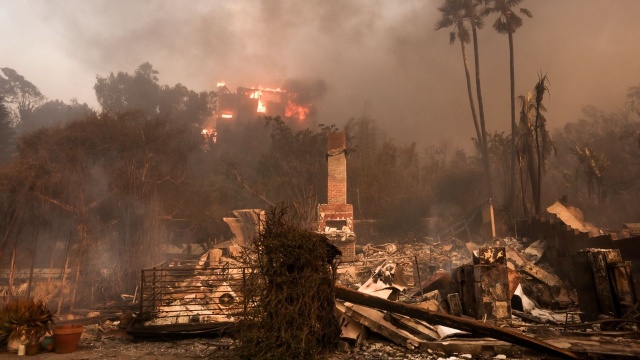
(5, 238)
(512, 187)
(485, 151)
(533, 177)
(33, 261)
(83, 235)
(64, 272)
(470, 94)
(12, 269)
(523, 188)
(536, 132)
(539, 129)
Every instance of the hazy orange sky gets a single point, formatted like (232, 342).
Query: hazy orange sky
(383, 53)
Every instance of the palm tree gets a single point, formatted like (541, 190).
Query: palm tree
(535, 146)
(458, 13)
(475, 19)
(525, 150)
(507, 23)
(543, 143)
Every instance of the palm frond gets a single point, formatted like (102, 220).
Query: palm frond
(515, 22)
(500, 25)
(458, 13)
(542, 107)
(541, 87)
(444, 22)
(508, 20)
(463, 34)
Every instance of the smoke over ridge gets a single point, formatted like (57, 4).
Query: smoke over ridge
(383, 56)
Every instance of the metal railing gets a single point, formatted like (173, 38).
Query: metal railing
(194, 292)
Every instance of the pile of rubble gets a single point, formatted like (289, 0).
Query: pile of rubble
(426, 300)
(204, 291)
(494, 291)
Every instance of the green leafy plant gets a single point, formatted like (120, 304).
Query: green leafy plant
(25, 319)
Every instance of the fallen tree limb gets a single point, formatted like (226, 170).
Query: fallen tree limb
(472, 326)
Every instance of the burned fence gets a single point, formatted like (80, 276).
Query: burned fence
(194, 292)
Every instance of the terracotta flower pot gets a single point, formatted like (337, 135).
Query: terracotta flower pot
(32, 349)
(67, 337)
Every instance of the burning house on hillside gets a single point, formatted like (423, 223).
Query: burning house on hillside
(249, 103)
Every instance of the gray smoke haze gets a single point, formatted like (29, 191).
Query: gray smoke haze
(375, 54)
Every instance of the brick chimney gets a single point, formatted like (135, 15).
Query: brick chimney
(337, 168)
(335, 218)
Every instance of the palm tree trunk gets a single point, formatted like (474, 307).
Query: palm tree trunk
(473, 107)
(512, 187)
(523, 188)
(483, 143)
(533, 177)
(538, 159)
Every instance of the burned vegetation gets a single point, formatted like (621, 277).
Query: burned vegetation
(294, 286)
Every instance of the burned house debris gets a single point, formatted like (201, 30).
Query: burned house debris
(605, 274)
(442, 296)
(203, 294)
(245, 226)
(513, 288)
(188, 296)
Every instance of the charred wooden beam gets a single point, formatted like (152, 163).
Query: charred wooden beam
(459, 323)
(598, 262)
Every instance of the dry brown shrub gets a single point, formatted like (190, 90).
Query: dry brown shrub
(295, 317)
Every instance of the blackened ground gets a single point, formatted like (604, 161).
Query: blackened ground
(109, 342)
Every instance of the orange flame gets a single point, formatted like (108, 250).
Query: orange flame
(261, 107)
(296, 110)
(256, 94)
(265, 95)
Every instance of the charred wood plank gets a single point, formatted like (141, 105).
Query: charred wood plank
(419, 329)
(459, 323)
(545, 277)
(585, 287)
(624, 289)
(375, 320)
(492, 291)
(598, 262)
(466, 289)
